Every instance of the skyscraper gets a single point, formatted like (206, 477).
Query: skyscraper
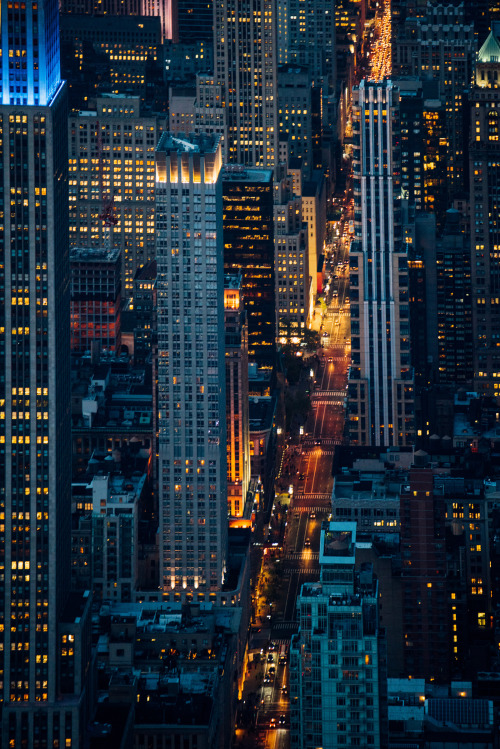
(249, 247)
(191, 367)
(484, 155)
(35, 400)
(380, 378)
(338, 661)
(245, 67)
(306, 36)
(237, 423)
(161, 8)
(111, 154)
(440, 44)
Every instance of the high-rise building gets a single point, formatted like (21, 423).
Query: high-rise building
(95, 299)
(454, 308)
(424, 147)
(245, 68)
(110, 53)
(425, 620)
(237, 423)
(295, 113)
(249, 247)
(294, 277)
(191, 367)
(306, 37)
(338, 659)
(194, 21)
(440, 43)
(111, 167)
(380, 377)
(161, 8)
(35, 429)
(484, 159)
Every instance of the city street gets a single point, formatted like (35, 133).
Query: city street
(308, 468)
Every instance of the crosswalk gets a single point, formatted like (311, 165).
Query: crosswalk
(301, 554)
(293, 626)
(326, 452)
(308, 508)
(325, 442)
(312, 571)
(326, 402)
(328, 394)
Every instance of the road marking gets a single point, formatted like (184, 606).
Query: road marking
(325, 402)
(314, 495)
(300, 555)
(308, 508)
(328, 393)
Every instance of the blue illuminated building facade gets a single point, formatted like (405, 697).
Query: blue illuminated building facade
(42, 664)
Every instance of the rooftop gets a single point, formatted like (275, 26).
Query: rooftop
(94, 255)
(237, 173)
(192, 143)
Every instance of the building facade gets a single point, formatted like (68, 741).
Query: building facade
(35, 427)
(338, 660)
(484, 171)
(191, 367)
(245, 68)
(249, 248)
(95, 299)
(112, 174)
(440, 44)
(237, 423)
(380, 388)
(294, 293)
(161, 8)
(306, 36)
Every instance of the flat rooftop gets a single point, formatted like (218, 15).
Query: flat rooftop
(237, 173)
(192, 143)
(94, 255)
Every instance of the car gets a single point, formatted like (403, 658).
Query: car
(270, 658)
(325, 334)
(317, 442)
(267, 680)
(282, 660)
(307, 543)
(337, 322)
(330, 358)
(284, 690)
(313, 516)
(272, 670)
(302, 477)
(272, 723)
(282, 720)
(272, 646)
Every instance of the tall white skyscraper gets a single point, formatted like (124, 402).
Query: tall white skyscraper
(191, 367)
(245, 67)
(380, 377)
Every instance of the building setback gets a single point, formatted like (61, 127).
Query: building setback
(191, 367)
